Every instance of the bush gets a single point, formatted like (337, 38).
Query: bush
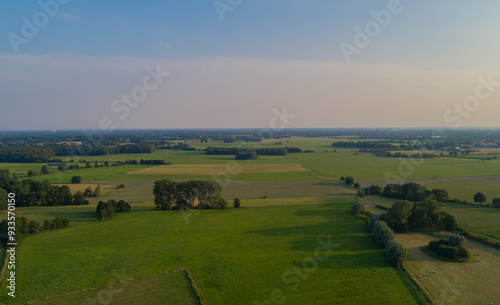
(87, 192)
(120, 186)
(382, 233)
(356, 185)
(349, 180)
(76, 179)
(357, 207)
(448, 221)
(237, 203)
(395, 253)
(496, 202)
(455, 240)
(373, 220)
(97, 191)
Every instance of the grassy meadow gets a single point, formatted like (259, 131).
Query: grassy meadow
(237, 256)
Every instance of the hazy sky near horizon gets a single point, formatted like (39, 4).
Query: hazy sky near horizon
(236, 63)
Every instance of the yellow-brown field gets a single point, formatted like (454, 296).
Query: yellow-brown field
(207, 169)
(105, 188)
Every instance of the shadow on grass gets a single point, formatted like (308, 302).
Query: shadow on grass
(354, 247)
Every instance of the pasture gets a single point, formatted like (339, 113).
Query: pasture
(173, 288)
(237, 256)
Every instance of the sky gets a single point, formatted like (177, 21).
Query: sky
(248, 64)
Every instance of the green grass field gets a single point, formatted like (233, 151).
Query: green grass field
(237, 256)
(465, 190)
(160, 289)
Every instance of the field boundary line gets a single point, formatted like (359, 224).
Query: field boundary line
(191, 280)
(4, 266)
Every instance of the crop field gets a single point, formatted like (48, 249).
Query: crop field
(214, 169)
(465, 190)
(173, 288)
(479, 281)
(237, 256)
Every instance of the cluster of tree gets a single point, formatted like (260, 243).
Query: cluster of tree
(26, 154)
(395, 253)
(373, 190)
(414, 192)
(365, 144)
(384, 153)
(31, 193)
(405, 216)
(89, 193)
(102, 150)
(281, 151)
(25, 227)
(178, 146)
(183, 195)
(154, 162)
(249, 154)
(454, 247)
(347, 180)
(107, 209)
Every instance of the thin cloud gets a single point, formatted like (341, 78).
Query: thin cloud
(69, 17)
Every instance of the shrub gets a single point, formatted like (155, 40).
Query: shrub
(76, 179)
(357, 207)
(349, 180)
(396, 253)
(87, 192)
(120, 186)
(455, 240)
(237, 203)
(356, 185)
(496, 202)
(382, 233)
(448, 221)
(97, 191)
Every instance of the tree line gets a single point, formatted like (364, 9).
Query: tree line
(48, 152)
(25, 227)
(184, 195)
(33, 193)
(276, 151)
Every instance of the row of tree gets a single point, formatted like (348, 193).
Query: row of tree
(407, 216)
(182, 195)
(32, 193)
(47, 152)
(25, 227)
(414, 192)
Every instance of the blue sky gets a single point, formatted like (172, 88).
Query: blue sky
(263, 55)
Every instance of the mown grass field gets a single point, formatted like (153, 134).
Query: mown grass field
(172, 288)
(237, 256)
(479, 280)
